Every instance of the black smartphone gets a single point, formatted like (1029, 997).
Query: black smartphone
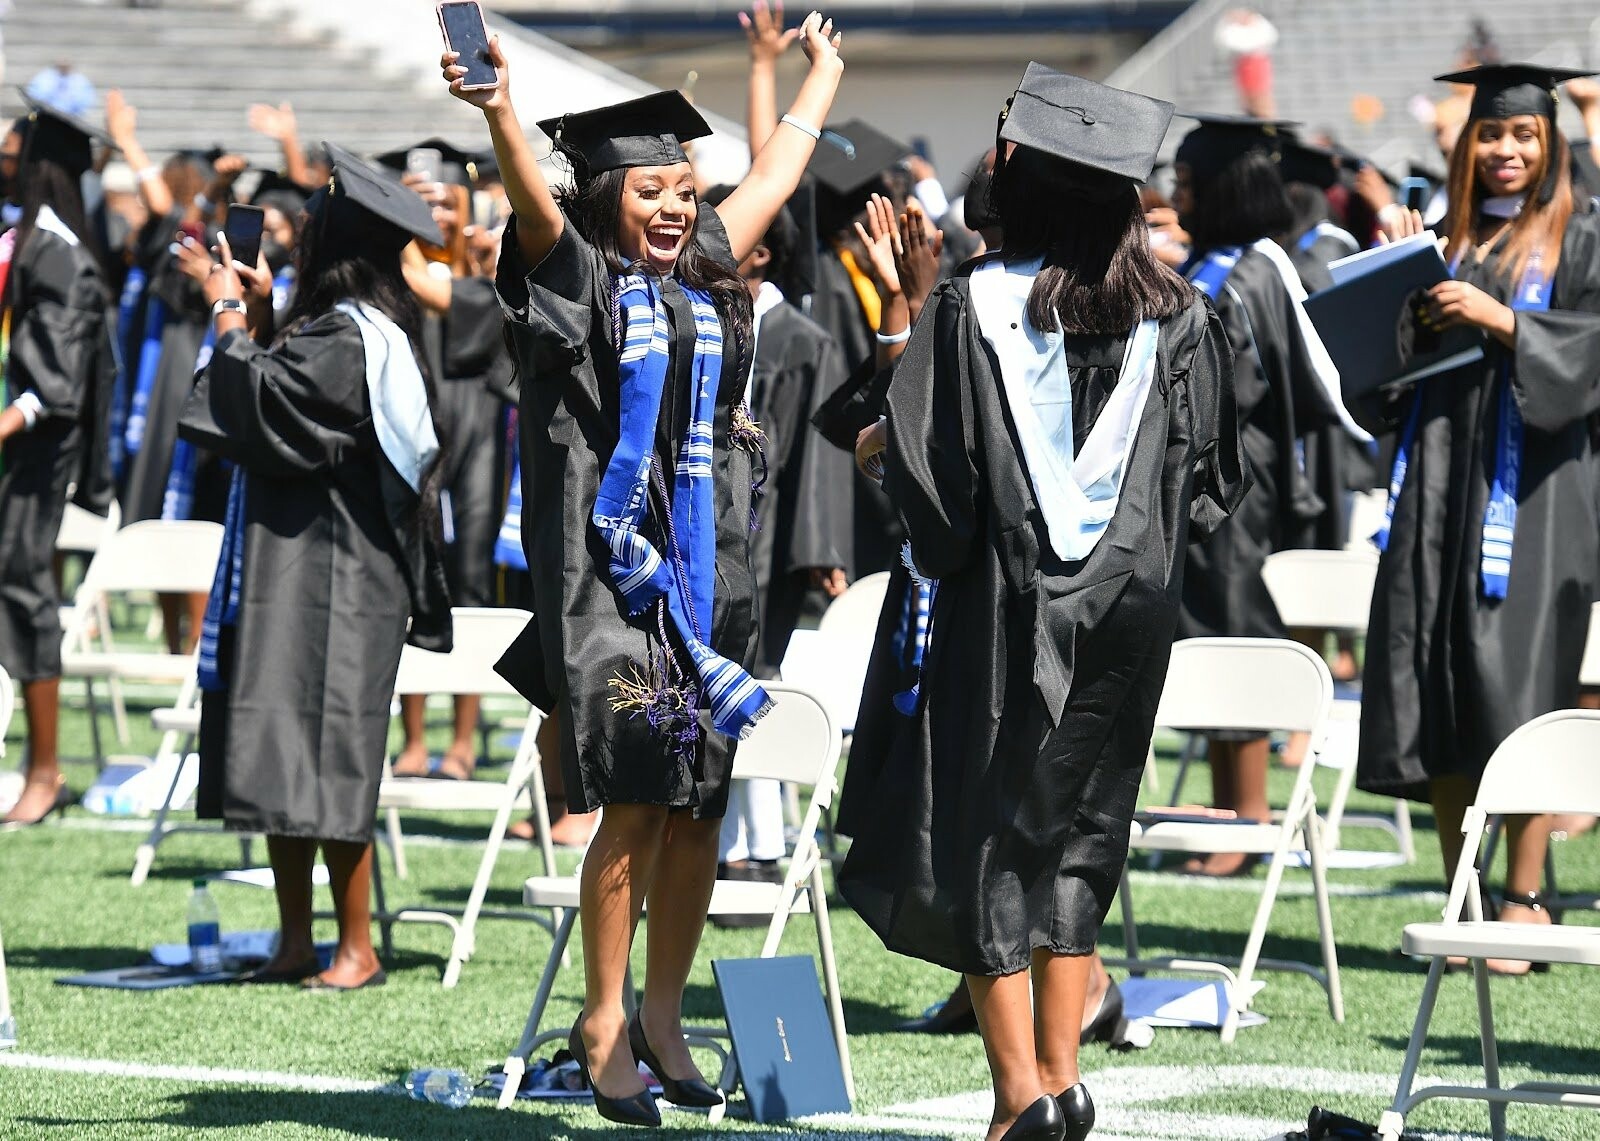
(243, 228)
(464, 33)
(1414, 194)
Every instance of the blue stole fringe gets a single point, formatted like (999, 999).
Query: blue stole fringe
(177, 502)
(144, 383)
(222, 608)
(684, 581)
(1500, 513)
(133, 288)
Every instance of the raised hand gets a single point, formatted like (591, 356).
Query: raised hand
(917, 256)
(484, 98)
(882, 242)
(763, 27)
(277, 123)
(821, 43)
(122, 118)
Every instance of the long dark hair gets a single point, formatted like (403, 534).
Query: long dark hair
(342, 257)
(43, 182)
(1545, 212)
(593, 203)
(1099, 276)
(1243, 203)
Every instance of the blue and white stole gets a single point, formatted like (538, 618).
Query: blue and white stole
(133, 288)
(508, 550)
(684, 581)
(1326, 229)
(1210, 273)
(403, 423)
(147, 364)
(1500, 514)
(178, 500)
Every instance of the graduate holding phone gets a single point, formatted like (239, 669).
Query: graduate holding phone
(633, 337)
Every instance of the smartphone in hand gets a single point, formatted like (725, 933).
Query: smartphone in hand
(1414, 194)
(243, 229)
(462, 26)
(425, 163)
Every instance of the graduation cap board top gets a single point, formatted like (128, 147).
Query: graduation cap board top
(1087, 123)
(647, 131)
(1505, 90)
(380, 194)
(851, 155)
(56, 135)
(1220, 139)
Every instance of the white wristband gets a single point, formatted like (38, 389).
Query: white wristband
(148, 173)
(814, 132)
(899, 338)
(31, 408)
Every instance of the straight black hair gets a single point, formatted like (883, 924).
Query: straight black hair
(44, 182)
(344, 255)
(594, 205)
(1244, 202)
(1308, 207)
(782, 240)
(1100, 275)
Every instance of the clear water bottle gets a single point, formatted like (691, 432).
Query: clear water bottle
(442, 1087)
(205, 932)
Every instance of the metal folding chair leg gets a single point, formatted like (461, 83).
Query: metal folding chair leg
(830, 977)
(1393, 1121)
(1319, 882)
(517, 1061)
(385, 924)
(1491, 1050)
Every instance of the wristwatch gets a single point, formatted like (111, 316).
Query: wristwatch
(228, 305)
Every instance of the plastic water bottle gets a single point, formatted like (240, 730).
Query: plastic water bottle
(442, 1087)
(205, 932)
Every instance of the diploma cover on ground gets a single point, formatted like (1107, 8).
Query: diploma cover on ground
(781, 1037)
(1368, 322)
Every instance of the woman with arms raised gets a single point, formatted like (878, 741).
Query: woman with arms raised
(330, 550)
(1490, 557)
(632, 332)
(1060, 425)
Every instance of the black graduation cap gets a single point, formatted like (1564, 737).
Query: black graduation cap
(1504, 90)
(1311, 164)
(1087, 123)
(1220, 139)
(648, 131)
(456, 166)
(850, 156)
(52, 134)
(378, 193)
(276, 190)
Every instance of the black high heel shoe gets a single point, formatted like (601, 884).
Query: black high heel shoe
(694, 1093)
(1077, 1111)
(65, 798)
(1041, 1121)
(639, 1109)
(953, 1016)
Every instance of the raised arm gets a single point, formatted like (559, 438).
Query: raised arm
(768, 41)
(776, 171)
(539, 220)
(279, 124)
(122, 122)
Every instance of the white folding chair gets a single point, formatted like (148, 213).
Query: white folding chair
(831, 661)
(481, 637)
(1332, 590)
(1547, 765)
(797, 742)
(163, 556)
(1263, 684)
(82, 533)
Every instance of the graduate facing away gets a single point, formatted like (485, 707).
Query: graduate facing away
(632, 333)
(1061, 424)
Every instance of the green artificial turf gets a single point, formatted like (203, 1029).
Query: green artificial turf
(66, 907)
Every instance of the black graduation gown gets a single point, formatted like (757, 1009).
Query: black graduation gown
(559, 317)
(1449, 674)
(996, 820)
(803, 516)
(60, 350)
(1279, 399)
(336, 563)
(188, 316)
(1335, 462)
(837, 308)
(473, 362)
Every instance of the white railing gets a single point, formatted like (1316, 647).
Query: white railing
(1182, 48)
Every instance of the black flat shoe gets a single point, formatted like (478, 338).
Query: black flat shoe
(944, 1020)
(693, 1093)
(1077, 1110)
(1041, 1121)
(1108, 1026)
(263, 977)
(639, 1109)
(317, 984)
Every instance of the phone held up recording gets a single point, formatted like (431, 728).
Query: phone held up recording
(461, 23)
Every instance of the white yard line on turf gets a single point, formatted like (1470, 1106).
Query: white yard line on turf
(306, 1083)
